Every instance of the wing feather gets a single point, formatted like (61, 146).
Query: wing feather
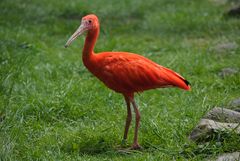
(127, 72)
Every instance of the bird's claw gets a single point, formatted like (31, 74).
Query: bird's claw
(136, 147)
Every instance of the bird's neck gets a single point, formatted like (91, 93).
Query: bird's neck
(88, 55)
(90, 41)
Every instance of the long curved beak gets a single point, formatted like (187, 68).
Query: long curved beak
(77, 33)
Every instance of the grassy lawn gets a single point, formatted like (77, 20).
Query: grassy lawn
(52, 108)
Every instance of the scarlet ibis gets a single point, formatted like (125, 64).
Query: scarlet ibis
(124, 72)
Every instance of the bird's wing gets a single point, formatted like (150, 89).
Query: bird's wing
(131, 72)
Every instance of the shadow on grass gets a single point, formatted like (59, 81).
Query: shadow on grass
(101, 147)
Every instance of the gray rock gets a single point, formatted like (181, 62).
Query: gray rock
(235, 103)
(229, 157)
(234, 12)
(225, 47)
(206, 129)
(216, 120)
(227, 72)
(223, 115)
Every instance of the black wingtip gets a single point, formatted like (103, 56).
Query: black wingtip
(187, 82)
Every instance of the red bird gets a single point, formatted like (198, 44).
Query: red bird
(124, 72)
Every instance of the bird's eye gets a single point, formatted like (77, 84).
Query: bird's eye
(89, 21)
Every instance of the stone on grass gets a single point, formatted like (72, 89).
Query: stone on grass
(216, 120)
(229, 157)
(225, 47)
(234, 12)
(227, 72)
(235, 103)
(206, 128)
(223, 115)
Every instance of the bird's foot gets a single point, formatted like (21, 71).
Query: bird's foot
(136, 147)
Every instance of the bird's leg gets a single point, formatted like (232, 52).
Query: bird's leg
(128, 119)
(135, 142)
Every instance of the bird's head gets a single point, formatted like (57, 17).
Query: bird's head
(88, 23)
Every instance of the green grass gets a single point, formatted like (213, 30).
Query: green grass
(52, 108)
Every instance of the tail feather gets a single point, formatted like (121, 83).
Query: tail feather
(177, 80)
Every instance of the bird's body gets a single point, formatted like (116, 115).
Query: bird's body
(127, 73)
(124, 72)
